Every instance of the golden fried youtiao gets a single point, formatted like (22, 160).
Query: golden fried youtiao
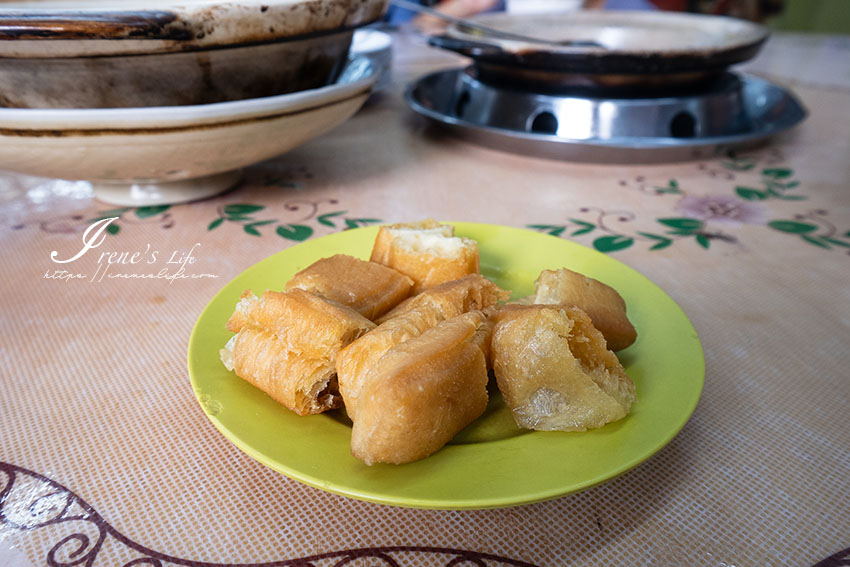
(423, 392)
(286, 344)
(369, 288)
(426, 251)
(411, 319)
(554, 370)
(304, 384)
(471, 293)
(602, 303)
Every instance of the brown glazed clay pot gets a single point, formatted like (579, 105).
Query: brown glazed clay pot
(155, 53)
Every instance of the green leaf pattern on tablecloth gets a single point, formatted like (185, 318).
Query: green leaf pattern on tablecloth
(704, 219)
(296, 232)
(551, 229)
(244, 214)
(813, 228)
(670, 230)
(154, 212)
(612, 243)
(672, 188)
(701, 220)
(295, 219)
(773, 186)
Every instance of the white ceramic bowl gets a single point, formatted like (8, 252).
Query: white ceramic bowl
(156, 155)
(131, 53)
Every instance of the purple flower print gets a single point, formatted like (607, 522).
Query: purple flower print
(721, 209)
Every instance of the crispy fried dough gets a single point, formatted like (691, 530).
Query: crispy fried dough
(602, 303)
(426, 251)
(423, 392)
(286, 344)
(554, 370)
(411, 319)
(369, 288)
(471, 293)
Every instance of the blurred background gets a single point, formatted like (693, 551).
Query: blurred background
(824, 16)
(821, 16)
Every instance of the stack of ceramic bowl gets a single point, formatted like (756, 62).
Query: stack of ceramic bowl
(164, 101)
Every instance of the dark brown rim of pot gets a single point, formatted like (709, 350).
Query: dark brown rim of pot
(600, 62)
(162, 25)
(158, 25)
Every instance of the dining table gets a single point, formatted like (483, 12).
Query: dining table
(110, 453)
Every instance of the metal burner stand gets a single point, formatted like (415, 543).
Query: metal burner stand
(735, 112)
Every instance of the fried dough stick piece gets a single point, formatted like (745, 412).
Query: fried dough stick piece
(411, 319)
(286, 344)
(423, 392)
(427, 251)
(303, 384)
(602, 303)
(470, 293)
(555, 371)
(369, 288)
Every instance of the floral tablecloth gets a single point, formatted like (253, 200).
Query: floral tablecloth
(106, 457)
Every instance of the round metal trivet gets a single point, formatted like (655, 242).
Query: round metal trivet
(735, 112)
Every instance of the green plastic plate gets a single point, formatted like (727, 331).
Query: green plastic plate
(491, 463)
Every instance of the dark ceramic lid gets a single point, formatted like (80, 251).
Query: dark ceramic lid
(628, 42)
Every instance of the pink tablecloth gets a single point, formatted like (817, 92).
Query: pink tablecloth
(106, 457)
